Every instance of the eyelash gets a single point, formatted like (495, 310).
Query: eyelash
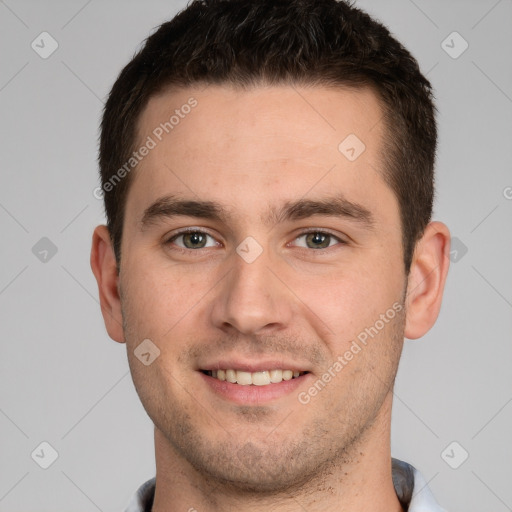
(195, 230)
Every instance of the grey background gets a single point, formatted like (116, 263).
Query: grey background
(63, 381)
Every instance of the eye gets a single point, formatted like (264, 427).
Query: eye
(319, 239)
(192, 239)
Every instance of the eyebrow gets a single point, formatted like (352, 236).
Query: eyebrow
(169, 206)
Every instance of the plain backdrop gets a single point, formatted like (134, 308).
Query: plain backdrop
(65, 383)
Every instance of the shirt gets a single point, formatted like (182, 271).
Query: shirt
(410, 487)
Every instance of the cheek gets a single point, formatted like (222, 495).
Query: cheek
(350, 298)
(160, 298)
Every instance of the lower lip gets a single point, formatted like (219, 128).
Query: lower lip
(252, 394)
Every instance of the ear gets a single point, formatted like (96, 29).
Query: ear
(426, 280)
(103, 264)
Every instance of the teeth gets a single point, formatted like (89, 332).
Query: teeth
(243, 378)
(255, 378)
(276, 376)
(260, 378)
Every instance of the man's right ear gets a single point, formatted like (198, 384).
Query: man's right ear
(104, 267)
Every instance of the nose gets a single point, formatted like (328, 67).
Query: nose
(252, 299)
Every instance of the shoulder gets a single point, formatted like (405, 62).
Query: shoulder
(142, 501)
(412, 489)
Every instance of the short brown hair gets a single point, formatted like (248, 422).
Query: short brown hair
(298, 42)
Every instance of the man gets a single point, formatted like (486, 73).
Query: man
(267, 171)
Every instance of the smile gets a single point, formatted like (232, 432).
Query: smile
(262, 378)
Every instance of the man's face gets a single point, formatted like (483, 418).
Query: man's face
(293, 296)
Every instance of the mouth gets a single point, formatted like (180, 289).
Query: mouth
(261, 378)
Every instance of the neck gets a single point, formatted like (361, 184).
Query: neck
(361, 481)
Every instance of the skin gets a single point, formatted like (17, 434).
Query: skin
(250, 150)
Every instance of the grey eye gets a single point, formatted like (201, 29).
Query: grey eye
(318, 240)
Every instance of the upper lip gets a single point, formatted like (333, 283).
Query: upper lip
(254, 366)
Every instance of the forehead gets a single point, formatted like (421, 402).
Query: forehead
(311, 115)
(225, 143)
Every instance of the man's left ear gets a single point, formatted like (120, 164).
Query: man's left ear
(426, 280)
